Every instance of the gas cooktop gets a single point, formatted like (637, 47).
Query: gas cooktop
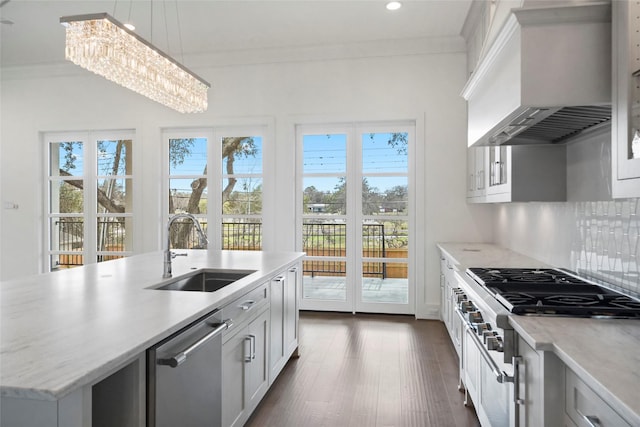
(531, 291)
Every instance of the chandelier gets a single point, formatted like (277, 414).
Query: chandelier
(101, 44)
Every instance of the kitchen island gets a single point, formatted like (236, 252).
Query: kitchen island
(65, 331)
(601, 356)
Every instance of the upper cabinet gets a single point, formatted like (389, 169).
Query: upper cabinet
(625, 148)
(521, 173)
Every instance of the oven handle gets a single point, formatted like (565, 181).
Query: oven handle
(501, 376)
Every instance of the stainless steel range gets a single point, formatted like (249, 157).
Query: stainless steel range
(553, 292)
(487, 297)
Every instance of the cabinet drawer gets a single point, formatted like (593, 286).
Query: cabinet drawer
(241, 310)
(585, 408)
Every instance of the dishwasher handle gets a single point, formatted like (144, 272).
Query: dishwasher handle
(182, 356)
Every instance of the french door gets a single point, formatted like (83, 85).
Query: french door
(355, 219)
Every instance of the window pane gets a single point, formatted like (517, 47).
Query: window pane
(325, 153)
(242, 234)
(66, 197)
(385, 152)
(111, 234)
(113, 157)
(66, 159)
(187, 156)
(114, 195)
(242, 155)
(242, 196)
(385, 282)
(324, 238)
(62, 261)
(67, 234)
(385, 195)
(385, 239)
(324, 280)
(188, 195)
(324, 196)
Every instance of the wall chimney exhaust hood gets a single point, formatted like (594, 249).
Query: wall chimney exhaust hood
(545, 80)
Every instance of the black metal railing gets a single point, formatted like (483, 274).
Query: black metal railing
(70, 238)
(322, 239)
(319, 239)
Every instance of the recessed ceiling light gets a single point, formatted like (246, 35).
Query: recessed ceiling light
(130, 26)
(394, 5)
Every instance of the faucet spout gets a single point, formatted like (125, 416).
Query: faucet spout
(168, 256)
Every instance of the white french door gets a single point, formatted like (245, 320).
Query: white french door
(355, 222)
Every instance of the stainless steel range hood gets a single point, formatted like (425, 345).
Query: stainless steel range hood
(546, 78)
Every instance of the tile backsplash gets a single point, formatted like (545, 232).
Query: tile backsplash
(599, 240)
(606, 242)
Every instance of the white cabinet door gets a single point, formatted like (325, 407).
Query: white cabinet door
(234, 404)
(245, 371)
(625, 132)
(277, 354)
(257, 368)
(284, 320)
(477, 177)
(291, 311)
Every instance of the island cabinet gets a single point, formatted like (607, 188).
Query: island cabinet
(284, 320)
(245, 356)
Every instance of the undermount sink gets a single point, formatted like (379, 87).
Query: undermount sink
(206, 281)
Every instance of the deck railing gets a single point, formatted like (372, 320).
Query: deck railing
(319, 239)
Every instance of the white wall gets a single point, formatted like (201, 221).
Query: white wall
(383, 84)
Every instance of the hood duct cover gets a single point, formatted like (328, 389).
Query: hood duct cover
(545, 79)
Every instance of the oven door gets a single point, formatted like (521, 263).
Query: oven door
(490, 388)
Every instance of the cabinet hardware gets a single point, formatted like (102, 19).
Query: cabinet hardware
(592, 420)
(247, 305)
(247, 349)
(182, 356)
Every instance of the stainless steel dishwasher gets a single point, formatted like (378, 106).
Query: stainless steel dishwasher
(184, 376)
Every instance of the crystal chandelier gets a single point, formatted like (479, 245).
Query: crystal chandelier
(101, 44)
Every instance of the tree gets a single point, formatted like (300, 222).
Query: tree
(233, 148)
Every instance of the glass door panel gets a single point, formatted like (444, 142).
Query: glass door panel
(356, 237)
(384, 215)
(324, 222)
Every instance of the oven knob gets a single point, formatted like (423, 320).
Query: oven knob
(459, 297)
(495, 343)
(474, 317)
(487, 334)
(481, 328)
(466, 306)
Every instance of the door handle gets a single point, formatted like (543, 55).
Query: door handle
(253, 346)
(179, 358)
(247, 349)
(247, 305)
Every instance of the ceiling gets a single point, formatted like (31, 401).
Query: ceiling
(191, 27)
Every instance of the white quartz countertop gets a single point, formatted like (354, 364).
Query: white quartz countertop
(60, 331)
(605, 353)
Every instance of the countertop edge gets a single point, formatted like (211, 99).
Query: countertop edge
(97, 374)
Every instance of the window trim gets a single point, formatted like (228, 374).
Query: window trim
(90, 180)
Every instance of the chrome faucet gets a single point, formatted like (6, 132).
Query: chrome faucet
(168, 255)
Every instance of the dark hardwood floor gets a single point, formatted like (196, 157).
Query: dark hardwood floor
(366, 371)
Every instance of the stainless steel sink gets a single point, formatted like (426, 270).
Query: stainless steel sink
(206, 281)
